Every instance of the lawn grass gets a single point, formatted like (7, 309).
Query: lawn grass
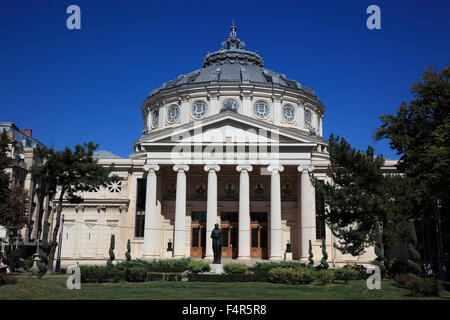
(54, 288)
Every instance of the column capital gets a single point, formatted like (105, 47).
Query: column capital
(245, 167)
(273, 168)
(178, 167)
(302, 168)
(210, 167)
(153, 167)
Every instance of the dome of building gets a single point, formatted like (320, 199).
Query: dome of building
(233, 65)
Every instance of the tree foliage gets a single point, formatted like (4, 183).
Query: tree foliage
(361, 195)
(5, 161)
(420, 134)
(64, 174)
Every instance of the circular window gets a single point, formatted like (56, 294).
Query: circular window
(155, 118)
(230, 104)
(173, 113)
(308, 117)
(261, 109)
(288, 113)
(198, 110)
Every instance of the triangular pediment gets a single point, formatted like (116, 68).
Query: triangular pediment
(229, 127)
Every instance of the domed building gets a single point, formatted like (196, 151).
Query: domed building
(232, 143)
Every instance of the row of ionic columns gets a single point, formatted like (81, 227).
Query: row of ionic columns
(152, 234)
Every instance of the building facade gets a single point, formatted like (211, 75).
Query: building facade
(232, 143)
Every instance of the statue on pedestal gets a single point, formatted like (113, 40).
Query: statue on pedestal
(216, 235)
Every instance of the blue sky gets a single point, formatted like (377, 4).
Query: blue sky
(89, 84)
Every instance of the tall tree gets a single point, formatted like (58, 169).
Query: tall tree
(360, 196)
(64, 174)
(5, 161)
(420, 134)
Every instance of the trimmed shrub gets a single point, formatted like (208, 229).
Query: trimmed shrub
(199, 266)
(425, 287)
(8, 279)
(346, 274)
(324, 277)
(402, 280)
(136, 274)
(158, 276)
(446, 285)
(235, 268)
(14, 259)
(291, 275)
(281, 264)
(226, 278)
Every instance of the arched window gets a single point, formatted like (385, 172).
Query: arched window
(308, 118)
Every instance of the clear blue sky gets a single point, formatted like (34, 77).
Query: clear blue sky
(89, 84)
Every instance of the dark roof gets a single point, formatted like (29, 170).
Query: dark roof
(233, 65)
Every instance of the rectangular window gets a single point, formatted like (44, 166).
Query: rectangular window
(255, 238)
(140, 208)
(195, 237)
(225, 232)
(263, 235)
(320, 216)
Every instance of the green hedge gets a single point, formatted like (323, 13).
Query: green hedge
(346, 274)
(323, 277)
(291, 275)
(226, 278)
(7, 279)
(235, 268)
(199, 266)
(281, 264)
(161, 276)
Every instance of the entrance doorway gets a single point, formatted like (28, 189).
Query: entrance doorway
(258, 226)
(229, 227)
(198, 234)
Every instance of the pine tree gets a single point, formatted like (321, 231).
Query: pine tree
(109, 263)
(128, 253)
(65, 174)
(310, 258)
(323, 261)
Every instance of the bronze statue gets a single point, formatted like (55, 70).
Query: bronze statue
(216, 235)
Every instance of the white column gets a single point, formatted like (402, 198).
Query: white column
(180, 211)
(211, 214)
(276, 245)
(151, 227)
(277, 110)
(244, 212)
(307, 205)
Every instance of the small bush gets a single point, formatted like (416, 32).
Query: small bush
(291, 275)
(446, 285)
(198, 266)
(425, 287)
(281, 264)
(15, 260)
(7, 279)
(235, 268)
(136, 274)
(402, 280)
(324, 277)
(158, 276)
(226, 278)
(346, 274)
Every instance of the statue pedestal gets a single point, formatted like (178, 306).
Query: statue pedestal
(217, 268)
(288, 256)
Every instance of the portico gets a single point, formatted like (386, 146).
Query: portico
(256, 207)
